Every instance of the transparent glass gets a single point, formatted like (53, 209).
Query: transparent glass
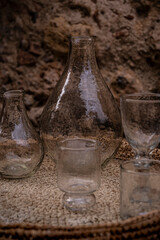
(141, 122)
(139, 187)
(21, 150)
(1, 99)
(81, 105)
(78, 168)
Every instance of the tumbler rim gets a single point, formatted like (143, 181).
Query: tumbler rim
(123, 166)
(94, 144)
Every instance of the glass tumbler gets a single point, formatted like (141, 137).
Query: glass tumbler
(78, 168)
(139, 187)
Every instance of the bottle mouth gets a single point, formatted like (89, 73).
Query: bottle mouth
(82, 39)
(13, 93)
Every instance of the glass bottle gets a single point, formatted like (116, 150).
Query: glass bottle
(21, 150)
(81, 105)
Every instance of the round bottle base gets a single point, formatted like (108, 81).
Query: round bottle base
(17, 171)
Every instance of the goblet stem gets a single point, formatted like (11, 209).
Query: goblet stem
(140, 157)
(78, 202)
(141, 163)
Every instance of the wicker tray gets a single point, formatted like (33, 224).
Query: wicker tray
(32, 208)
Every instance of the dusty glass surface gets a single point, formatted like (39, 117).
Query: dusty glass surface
(81, 105)
(21, 150)
(79, 170)
(139, 187)
(141, 122)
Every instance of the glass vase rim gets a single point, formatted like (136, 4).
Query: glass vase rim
(93, 146)
(132, 162)
(13, 93)
(133, 97)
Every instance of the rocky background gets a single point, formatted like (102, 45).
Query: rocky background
(34, 44)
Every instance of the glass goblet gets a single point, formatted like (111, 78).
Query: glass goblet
(141, 122)
(78, 169)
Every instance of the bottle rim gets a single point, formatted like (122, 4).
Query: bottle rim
(13, 93)
(86, 38)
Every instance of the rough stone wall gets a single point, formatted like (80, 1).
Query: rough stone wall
(34, 44)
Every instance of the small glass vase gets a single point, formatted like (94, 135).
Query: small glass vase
(21, 150)
(81, 105)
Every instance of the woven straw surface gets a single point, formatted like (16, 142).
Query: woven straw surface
(37, 201)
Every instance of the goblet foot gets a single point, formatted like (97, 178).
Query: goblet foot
(78, 202)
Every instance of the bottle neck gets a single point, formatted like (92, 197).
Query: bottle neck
(82, 54)
(13, 106)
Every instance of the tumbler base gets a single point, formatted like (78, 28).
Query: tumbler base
(78, 202)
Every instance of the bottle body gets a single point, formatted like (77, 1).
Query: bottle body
(81, 105)
(21, 150)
